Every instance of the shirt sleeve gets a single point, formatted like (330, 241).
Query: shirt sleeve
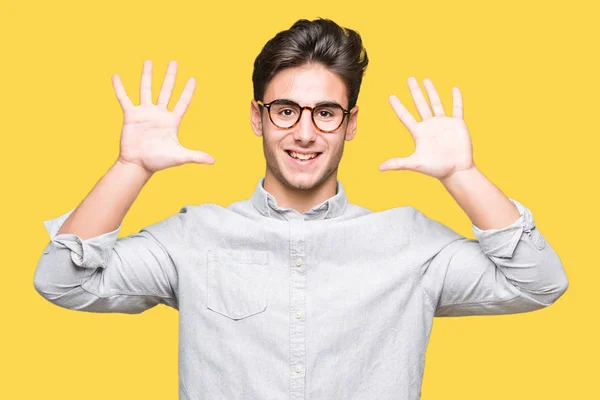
(109, 274)
(505, 271)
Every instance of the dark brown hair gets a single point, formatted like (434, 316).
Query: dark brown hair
(321, 41)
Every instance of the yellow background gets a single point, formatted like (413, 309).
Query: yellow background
(528, 72)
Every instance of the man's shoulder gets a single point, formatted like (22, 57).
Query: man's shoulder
(186, 218)
(395, 212)
(410, 218)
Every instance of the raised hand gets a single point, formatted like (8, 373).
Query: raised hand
(149, 134)
(442, 143)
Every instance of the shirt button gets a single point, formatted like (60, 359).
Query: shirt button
(298, 368)
(298, 262)
(297, 315)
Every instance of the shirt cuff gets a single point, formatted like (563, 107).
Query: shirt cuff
(92, 253)
(503, 242)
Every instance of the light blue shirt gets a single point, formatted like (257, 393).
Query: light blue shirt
(335, 303)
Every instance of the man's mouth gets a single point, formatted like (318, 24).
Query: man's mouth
(303, 158)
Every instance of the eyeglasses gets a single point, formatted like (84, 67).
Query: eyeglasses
(285, 114)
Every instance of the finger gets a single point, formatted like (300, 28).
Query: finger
(403, 114)
(185, 98)
(434, 98)
(146, 83)
(194, 156)
(457, 103)
(418, 98)
(167, 87)
(120, 92)
(407, 163)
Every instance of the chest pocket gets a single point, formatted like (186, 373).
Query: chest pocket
(237, 282)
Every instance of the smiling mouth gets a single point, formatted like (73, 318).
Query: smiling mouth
(302, 157)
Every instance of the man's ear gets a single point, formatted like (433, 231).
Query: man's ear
(256, 118)
(351, 129)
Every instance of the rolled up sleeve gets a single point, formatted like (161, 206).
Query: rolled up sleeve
(108, 274)
(508, 270)
(92, 253)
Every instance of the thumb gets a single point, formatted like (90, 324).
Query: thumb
(195, 156)
(408, 163)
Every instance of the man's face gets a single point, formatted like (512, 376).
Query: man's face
(305, 85)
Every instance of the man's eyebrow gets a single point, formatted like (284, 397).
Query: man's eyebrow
(328, 103)
(286, 102)
(319, 104)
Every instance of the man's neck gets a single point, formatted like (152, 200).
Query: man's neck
(300, 200)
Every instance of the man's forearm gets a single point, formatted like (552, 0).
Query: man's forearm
(104, 208)
(481, 200)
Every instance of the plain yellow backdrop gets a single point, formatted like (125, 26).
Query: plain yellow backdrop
(528, 72)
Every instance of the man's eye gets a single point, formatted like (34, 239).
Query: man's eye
(325, 114)
(286, 112)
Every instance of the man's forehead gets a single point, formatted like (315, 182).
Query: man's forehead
(307, 85)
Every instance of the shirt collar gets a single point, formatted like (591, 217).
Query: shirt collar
(266, 204)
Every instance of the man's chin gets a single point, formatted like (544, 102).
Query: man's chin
(301, 185)
(301, 182)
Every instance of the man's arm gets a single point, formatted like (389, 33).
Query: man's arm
(480, 199)
(508, 236)
(512, 268)
(104, 208)
(106, 274)
(505, 271)
(84, 266)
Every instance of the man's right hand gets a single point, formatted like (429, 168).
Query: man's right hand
(149, 134)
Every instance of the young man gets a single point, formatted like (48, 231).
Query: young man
(296, 293)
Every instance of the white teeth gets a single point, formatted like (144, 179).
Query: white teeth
(303, 156)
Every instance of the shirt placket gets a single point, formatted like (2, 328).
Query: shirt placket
(297, 308)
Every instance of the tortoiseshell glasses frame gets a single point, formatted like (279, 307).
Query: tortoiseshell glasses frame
(319, 107)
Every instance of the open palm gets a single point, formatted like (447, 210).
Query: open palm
(442, 143)
(149, 135)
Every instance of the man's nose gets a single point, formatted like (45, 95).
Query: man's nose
(305, 131)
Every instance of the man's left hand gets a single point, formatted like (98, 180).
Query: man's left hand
(442, 143)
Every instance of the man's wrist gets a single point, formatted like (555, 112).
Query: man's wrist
(460, 177)
(132, 170)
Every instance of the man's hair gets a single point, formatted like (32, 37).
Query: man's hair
(321, 41)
